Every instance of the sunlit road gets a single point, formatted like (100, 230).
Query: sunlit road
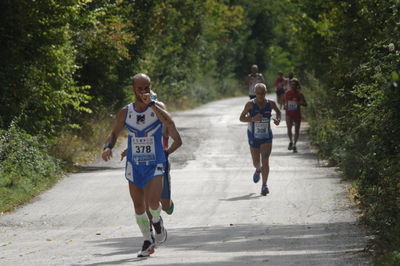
(219, 219)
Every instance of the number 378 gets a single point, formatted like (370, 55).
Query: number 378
(143, 149)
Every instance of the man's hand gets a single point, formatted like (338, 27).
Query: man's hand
(257, 118)
(123, 154)
(146, 98)
(276, 121)
(107, 154)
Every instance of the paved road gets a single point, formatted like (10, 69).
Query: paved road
(220, 218)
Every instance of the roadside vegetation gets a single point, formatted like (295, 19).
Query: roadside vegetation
(66, 67)
(349, 58)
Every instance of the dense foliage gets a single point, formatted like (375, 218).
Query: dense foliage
(26, 168)
(351, 53)
(61, 60)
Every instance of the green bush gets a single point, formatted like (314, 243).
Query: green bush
(25, 167)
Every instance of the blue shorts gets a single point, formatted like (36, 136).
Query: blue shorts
(255, 143)
(280, 92)
(166, 192)
(141, 174)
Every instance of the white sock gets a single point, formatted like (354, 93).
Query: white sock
(144, 225)
(155, 214)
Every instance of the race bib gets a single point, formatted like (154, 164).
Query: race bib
(261, 129)
(143, 149)
(292, 105)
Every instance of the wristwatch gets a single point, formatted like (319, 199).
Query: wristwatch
(107, 146)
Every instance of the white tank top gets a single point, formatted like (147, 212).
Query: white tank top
(253, 80)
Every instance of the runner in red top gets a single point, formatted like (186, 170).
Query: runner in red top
(293, 100)
(280, 89)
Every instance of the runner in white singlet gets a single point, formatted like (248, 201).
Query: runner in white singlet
(252, 79)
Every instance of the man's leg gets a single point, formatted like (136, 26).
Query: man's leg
(265, 150)
(153, 194)
(153, 190)
(149, 215)
(138, 199)
(278, 99)
(289, 124)
(281, 101)
(296, 133)
(255, 155)
(166, 202)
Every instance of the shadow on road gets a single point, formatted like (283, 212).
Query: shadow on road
(243, 244)
(90, 169)
(249, 196)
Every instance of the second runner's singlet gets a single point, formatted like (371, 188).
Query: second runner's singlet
(261, 129)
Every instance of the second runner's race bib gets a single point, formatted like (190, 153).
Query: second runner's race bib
(261, 129)
(143, 149)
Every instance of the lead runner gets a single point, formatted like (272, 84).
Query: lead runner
(257, 113)
(144, 119)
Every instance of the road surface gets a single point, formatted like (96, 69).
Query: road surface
(220, 218)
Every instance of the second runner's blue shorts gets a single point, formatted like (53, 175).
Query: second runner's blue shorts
(166, 192)
(255, 143)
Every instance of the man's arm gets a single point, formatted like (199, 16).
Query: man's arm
(285, 100)
(245, 115)
(159, 110)
(262, 78)
(277, 111)
(163, 115)
(112, 139)
(303, 100)
(177, 141)
(247, 81)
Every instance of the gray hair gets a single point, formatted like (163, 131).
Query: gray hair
(260, 85)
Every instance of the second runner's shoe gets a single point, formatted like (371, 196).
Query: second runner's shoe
(161, 232)
(256, 176)
(171, 208)
(264, 190)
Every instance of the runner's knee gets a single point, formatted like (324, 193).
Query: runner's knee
(139, 207)
(154, 202)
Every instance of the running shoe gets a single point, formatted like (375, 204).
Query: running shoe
(171, 208)
(256, 176)
(294, 149)
(264, 190)
(147, 249)
(290, 146)
(161, 232)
